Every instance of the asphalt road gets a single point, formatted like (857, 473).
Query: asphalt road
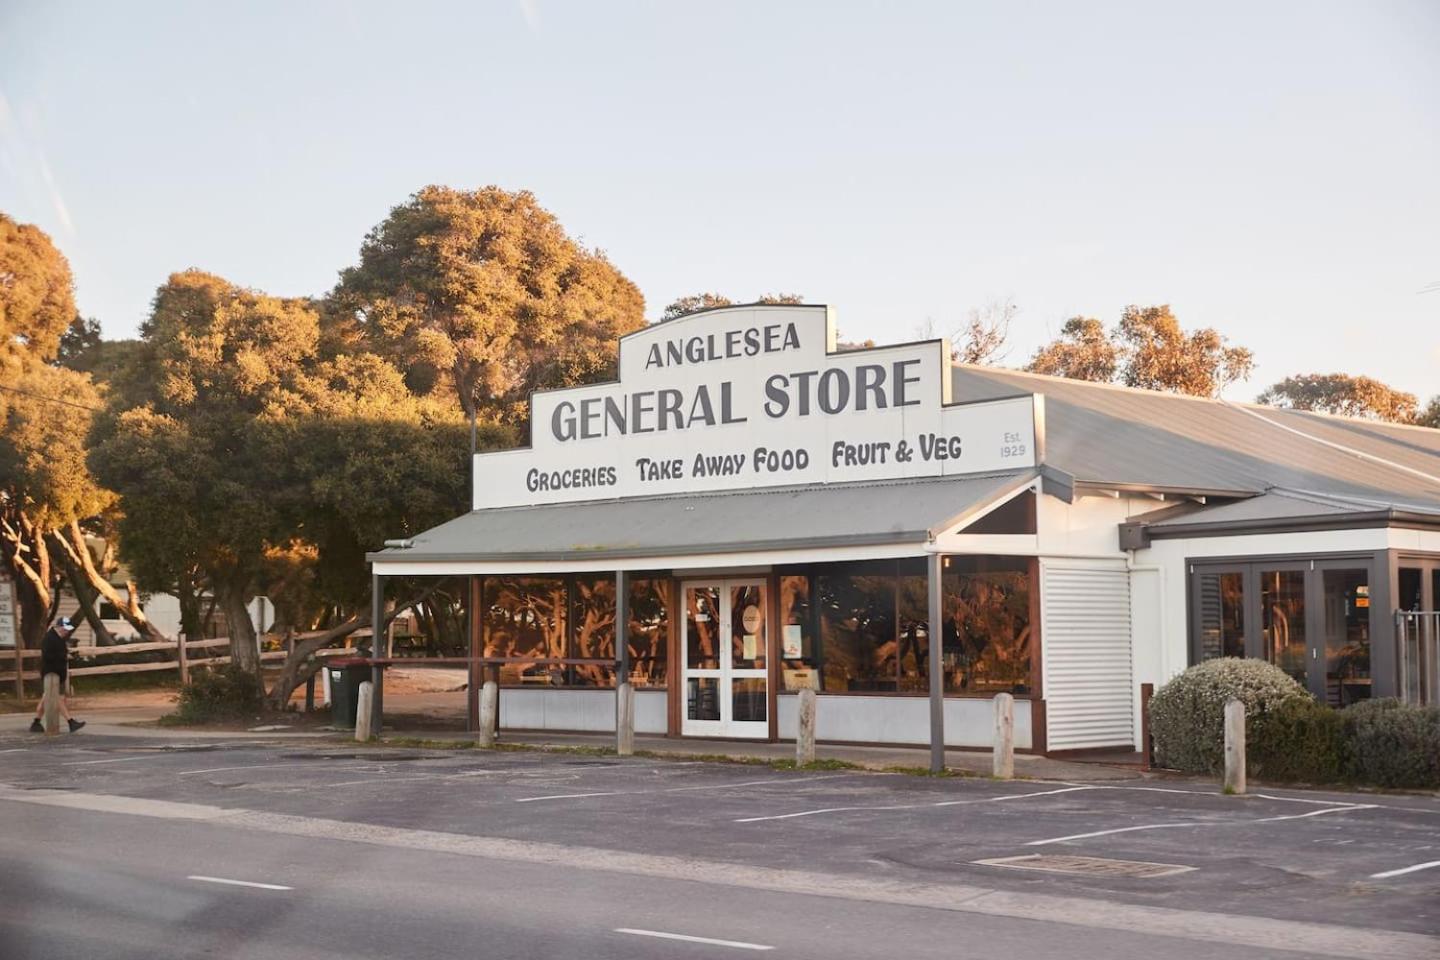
(417, 854)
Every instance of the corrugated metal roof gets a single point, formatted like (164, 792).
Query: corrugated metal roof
(907, 511)
(1105, 434)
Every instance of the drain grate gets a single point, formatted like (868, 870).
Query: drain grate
(1088, 866)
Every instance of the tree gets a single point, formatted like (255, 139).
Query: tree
(1161, 356)
(1146, 349)
(1430, 416)
(1083, 351)
(481, 293)
(1343, 394)
(985, 334)
(696, 302)
(37, 299)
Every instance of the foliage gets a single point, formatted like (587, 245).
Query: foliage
(1343, 394)
(696, 302)
(1430, 416)
(37, 299)
(228, 692)
(1187, 715)
(1146, 349)
(1392, 744)
(483, 295)
(1301, 740)
(985, 334)
(1083, 351)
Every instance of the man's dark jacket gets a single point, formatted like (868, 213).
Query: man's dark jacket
(54, 654)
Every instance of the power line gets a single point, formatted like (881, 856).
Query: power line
(36, 396)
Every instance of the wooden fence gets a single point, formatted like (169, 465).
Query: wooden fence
(181, 659)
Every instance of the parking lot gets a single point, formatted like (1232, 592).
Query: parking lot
(1364, 860)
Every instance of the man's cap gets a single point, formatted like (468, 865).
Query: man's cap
(67, 623)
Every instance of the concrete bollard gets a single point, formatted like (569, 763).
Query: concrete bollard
(1234, 747)
(805, 728)
(1004, 760)
(489, 708)
(363, 717)
(625, 719)
(51, 701)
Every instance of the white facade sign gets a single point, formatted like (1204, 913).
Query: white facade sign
(754, 396)
(9, 613)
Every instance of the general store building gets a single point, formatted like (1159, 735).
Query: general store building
(778, 515)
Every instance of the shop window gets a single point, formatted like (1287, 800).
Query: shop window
(799, 648)
(649, 631)
(1222, 614)
(1411, 589)
(987, 625)
(914, 627)
(1282, 620)
(1346, 596)
(525, 617)
(592, 615)
(857, 628)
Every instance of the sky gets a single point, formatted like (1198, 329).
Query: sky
(1268, 169)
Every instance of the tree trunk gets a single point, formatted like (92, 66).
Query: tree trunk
(243, 652)
(86, 596)
(79, 565)
(22, 545)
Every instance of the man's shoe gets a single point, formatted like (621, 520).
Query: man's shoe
(76, 725)
(36, 726)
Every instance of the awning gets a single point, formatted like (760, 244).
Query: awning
(787, 518)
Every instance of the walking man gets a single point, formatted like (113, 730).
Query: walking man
(55, 658)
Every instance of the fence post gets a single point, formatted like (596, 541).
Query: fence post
(1147, 747)
(489, 702)
(1003, 761)
(805, 728)
(1235, 747)
(310, 690)
(52, 703)
(183, 656)
(625, 719)
(19, 668)
(363, 719)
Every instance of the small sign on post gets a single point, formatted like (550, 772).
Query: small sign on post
(10, 630)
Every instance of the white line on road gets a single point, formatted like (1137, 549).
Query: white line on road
(86, 763)
(239, 883)
(567, 796)
(1195, 823)
(911, 806)
(737, 944)
(15, 750)
(1404, 870)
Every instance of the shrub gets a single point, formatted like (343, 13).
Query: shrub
(1392, 744)
(1187, 715)
(1301, 739)
(222, 693)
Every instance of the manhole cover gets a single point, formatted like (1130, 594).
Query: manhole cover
(1088, 866)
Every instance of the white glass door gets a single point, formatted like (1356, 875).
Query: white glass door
(726, 684)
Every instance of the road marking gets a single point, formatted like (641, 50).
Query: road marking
(15, 750)
(567, 796)
(239, 883)
(86, 763)
(1404, 870)
(309, 765)
(737, 944)
(1259, 934)
(912, 806)
(1196, 823)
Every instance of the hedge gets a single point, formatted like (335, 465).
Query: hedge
(1290, 736)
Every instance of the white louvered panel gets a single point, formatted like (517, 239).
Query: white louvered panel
(1085, 651)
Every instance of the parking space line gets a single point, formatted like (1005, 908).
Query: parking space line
(737, 944)
(912, 806)
(1404, 870)
(568, 796)
(1194, 823)
(239, 883)
(86, 763)
(15, 750)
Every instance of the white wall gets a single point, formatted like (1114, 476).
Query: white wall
(577, 710)
(969, 721)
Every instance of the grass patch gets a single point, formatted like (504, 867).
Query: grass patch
(121, 682)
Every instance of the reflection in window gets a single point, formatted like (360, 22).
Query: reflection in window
(1347, 636)
(1282, 615)
(1411, 596)
(799, 651)
(649, 632)
(857, 627)
(593, 633)
(525, 617)
(987, 625)
(1222, 615)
